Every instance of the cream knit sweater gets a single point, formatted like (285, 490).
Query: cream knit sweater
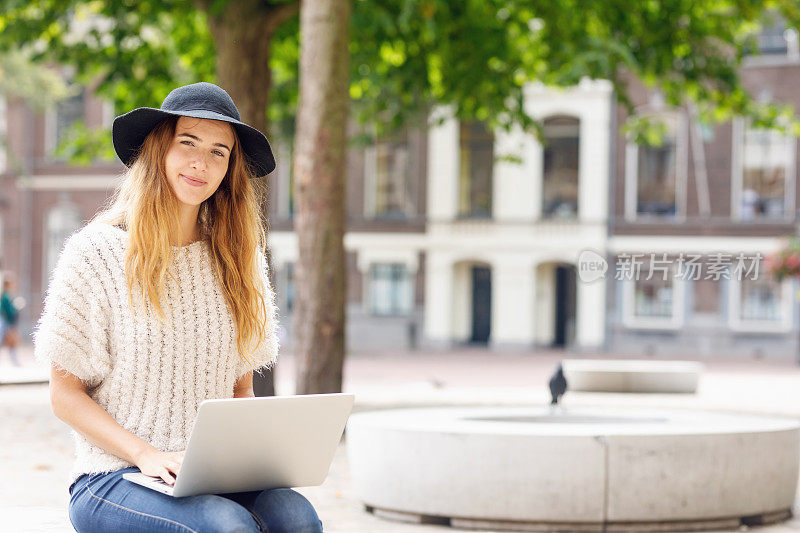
(150, 377)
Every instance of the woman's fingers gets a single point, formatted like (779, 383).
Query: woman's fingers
(172, 468)
(165, 475)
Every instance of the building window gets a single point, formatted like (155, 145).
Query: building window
(61, 222)
(657, 177)
(288, 284)
(108, 113)
(560, 182)
(656, 174)
(760, 299)
(68, 112)
(761, 304)
(284, 180)
(653, 299)
(765, 174)
(655, 303)
(772, 38)
(475, 170)
(775, 37)
(390, 289)
(389, 192)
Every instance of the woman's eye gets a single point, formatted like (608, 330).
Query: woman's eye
(187, 143)
(219, 153)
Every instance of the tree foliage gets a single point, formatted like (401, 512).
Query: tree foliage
(478, 55)
(135, 51)
(39, 85)
(407, 55)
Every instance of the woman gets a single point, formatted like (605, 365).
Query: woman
(160, 302)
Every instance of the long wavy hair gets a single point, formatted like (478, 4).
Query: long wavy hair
(146, 206)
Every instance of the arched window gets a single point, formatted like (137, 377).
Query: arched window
(560, 176)
(475, 175)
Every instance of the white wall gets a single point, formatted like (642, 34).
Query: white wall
(513, 300)
(515, 240)
(443, 155)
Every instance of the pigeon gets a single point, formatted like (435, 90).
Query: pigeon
(558, 385)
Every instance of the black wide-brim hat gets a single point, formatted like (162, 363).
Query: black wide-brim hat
(198, 100)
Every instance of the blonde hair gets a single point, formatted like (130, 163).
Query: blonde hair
(147, 207)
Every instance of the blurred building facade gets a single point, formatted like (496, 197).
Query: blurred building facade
(711, 200)
(459, 235)
(43, 199)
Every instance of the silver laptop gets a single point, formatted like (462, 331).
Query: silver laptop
(244, 444)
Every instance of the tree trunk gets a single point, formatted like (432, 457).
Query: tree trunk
(242, 35)
(319, 173)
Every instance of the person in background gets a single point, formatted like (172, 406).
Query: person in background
(9, 316)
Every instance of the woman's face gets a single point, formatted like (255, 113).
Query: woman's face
(197, 159)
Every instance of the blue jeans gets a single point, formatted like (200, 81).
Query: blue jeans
(106, 502)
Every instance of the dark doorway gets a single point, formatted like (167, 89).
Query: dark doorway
(481, 304)
(565, 306)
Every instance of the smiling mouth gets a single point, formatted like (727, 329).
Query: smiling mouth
(193, 180)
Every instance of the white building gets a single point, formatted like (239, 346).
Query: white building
(505, 221)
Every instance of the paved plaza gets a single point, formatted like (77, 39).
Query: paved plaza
(37, 448)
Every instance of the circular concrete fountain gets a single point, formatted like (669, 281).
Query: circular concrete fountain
(580, 469)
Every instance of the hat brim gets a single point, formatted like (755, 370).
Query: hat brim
(131, 129)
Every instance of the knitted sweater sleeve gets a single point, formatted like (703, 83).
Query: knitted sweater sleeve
(265, 354)
(72, 332)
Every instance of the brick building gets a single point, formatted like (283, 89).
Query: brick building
(451, 241)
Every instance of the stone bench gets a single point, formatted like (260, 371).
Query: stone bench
(24, 375)
(577, 469)
(621, 375)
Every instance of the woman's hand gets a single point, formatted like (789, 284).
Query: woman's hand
(155, 463)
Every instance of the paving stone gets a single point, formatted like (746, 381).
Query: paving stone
(37, 448)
